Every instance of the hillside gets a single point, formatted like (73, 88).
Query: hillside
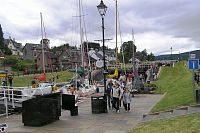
(177, 83)
(181, 56)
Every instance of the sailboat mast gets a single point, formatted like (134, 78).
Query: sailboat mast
(133, 58)
(116, 33)
(43, 63)
(81, 37)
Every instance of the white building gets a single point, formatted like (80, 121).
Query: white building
(14, 46)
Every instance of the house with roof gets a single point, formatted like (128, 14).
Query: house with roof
(97, 55)
(34, 52)
(49, 61)
(14, 46)
(68, 59)
(31, 50)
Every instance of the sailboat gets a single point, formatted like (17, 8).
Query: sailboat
(116, 73)
(84, 85)
(41, 88)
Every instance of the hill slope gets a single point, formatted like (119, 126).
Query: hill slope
(177, 82)
(181, 56)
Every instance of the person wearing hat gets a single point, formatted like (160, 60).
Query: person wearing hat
(116, 96)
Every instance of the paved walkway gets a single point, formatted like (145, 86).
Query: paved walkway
(86, 122)
(172, 113)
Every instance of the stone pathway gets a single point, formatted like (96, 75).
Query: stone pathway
(86, 122)
(172, 113)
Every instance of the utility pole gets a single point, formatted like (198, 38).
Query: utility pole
(171, 57)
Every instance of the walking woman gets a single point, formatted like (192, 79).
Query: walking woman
(127, 99)
(116, 96)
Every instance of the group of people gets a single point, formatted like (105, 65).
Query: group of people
(9, 79)
(118, 94)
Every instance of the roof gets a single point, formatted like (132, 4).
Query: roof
(15, 44)
(48, 54)
(33, 46)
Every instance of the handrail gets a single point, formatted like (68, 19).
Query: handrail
(10, 93)
(6, 105)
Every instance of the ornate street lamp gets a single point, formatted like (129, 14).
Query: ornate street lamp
(102, 8)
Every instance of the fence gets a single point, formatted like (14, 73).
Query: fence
(12, 96)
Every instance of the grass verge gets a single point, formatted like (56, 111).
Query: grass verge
(20, 81)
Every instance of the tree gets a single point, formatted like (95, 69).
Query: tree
(3, 47)
(1, 39)
(144, 55)
(60, 48)
(150, 57)
(128, 50)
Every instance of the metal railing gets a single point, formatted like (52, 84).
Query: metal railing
(6, 106)
(13, 95)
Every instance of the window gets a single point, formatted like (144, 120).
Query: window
(35, 54)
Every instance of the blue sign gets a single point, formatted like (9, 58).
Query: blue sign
(193, 63)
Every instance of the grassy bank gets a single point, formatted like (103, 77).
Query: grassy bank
(177, 82)
(64, 76)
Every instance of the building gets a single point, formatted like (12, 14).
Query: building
(15, 47)
(68, 59)
(97, 55)
(34, 52)
(30, 50)
(49, 61)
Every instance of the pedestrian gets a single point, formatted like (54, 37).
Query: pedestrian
(3, 83)
(116, 96)
(10, 80)
(121, 88)
(72, 90)
(109, 90)
(97, 89)
(127, 99)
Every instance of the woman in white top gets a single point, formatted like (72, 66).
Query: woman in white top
(116, 96)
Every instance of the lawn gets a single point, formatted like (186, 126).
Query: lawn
(177, 82)
(20, 81)
(182, 124)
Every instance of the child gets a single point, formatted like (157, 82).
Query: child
(127, 99)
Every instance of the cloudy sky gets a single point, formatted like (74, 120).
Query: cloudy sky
(158, 24)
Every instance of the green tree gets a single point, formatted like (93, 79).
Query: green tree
(1, 39)
(128, 50)
(150, 57)
(3, 47)
(144, 55)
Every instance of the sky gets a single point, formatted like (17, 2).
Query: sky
(158, 25)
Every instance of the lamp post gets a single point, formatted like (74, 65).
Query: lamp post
(102, 8)
(171, 56)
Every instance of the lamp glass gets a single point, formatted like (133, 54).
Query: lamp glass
(102, 8)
